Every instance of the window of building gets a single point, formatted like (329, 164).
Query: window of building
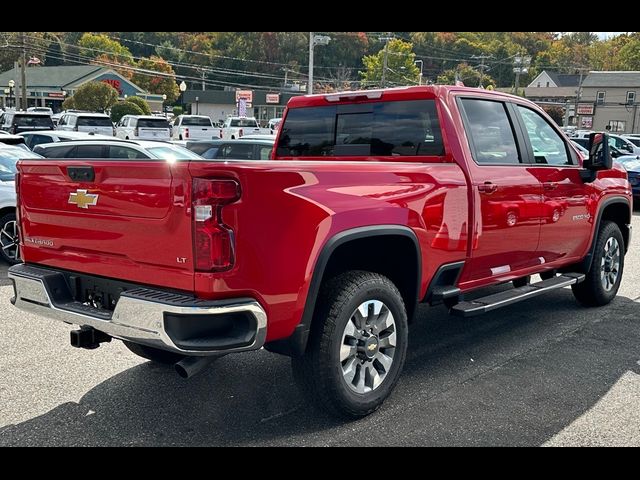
(491, 132)
(600, 96)
(631, 98)
(547, 84)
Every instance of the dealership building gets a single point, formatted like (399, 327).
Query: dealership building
(219, 104)
(49, 86)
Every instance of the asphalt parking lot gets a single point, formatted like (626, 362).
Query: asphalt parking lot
(543, 372)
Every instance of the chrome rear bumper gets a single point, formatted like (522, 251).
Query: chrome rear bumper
(151, 317)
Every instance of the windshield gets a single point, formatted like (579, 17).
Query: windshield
(197, 122)
(152, 123)
(94, 122)
(634, 140)
(8, 159)
(32, 121)
(244, 122)
(172, 153)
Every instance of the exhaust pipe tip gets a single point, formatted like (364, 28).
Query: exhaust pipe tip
(190, 366)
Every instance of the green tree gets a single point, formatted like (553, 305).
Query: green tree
(107, 52)
(629, 56)
(556, 113)
(401, 69)
(142, 103)
(467, 74)
(159, 84)
(68, 104)
(95, 97)
(121, 109)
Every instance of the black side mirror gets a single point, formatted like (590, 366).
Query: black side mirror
(599, 152)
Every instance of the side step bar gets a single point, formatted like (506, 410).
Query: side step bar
(482, 305)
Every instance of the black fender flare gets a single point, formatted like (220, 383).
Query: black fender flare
(296, 344)
(585, 265)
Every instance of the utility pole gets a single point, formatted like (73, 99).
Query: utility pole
(482, 66)
(24, 72)
(521, 65)
(578, 96)
(203, 73)
(310, 82)
(385, 58)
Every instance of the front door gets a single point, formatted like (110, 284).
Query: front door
(566, 221)
(507, 196)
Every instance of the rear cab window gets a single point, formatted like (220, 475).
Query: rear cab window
(27, 120)
(404, 128)
(196, 122)
(244, 122)
(153, 123)
(94, 122)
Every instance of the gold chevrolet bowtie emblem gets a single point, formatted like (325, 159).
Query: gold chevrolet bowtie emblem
(372, 347)
(83, 199)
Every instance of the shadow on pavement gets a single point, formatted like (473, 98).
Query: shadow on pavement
(512, 378)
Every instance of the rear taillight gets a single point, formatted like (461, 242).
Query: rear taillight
(186, 133)
(135, 131)
(114, 131)
(213, 240)
(220, 133)
(240, 133)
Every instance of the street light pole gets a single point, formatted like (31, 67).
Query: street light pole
(421, 66)
(313, 41)
(183, 88)
(12, 84)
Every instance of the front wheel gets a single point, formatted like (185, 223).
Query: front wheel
(357, 346)
(603, 279)
(9, 239)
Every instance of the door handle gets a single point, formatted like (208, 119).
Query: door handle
(550, 185)
(488, 188)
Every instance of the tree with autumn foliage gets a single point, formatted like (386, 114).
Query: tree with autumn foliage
(102, 50)
(401, 69)
(163, 84)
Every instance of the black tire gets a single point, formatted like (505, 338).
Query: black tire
(9, 239)
(593, 292)
(320, 372)
(521, 282)
(154, 354)
(180, 137)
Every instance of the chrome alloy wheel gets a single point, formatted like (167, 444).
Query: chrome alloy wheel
(9, 241)
(368, 346)
(610, 264)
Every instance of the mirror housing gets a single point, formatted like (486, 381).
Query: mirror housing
(599, 153)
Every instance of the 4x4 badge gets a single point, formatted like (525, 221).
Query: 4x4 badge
(83, 199)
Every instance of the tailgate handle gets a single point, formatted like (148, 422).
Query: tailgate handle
(81, 174)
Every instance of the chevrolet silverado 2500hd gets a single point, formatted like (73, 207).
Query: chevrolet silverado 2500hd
(372, 202)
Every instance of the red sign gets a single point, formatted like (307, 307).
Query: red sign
(55, 95)
(585, 109)
(247, 95)
(114, 83)
(273, 98)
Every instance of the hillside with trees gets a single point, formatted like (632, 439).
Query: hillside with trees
(279, 60)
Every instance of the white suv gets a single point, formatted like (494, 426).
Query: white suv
(99, 123)
(143, 127)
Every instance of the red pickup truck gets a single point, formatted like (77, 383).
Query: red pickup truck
(373, 202)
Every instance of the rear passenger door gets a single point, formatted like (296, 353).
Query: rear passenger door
(506, 195)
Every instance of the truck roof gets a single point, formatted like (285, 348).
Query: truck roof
(398, 93)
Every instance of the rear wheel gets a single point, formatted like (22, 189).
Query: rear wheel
(357, 345)
(154, 354)
(9, 241)
(603, 279)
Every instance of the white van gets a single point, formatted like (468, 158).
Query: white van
(193, 127)
(143, 127)
(98, 123)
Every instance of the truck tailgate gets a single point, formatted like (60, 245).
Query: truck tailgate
(132, 221)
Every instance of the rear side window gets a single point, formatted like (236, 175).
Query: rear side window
(196, 122)
(33, 140)
(205, 150)
(118, 151)
(490, 132)
(94, 122)
(62, 151)
(152, 123)
(404, 129)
